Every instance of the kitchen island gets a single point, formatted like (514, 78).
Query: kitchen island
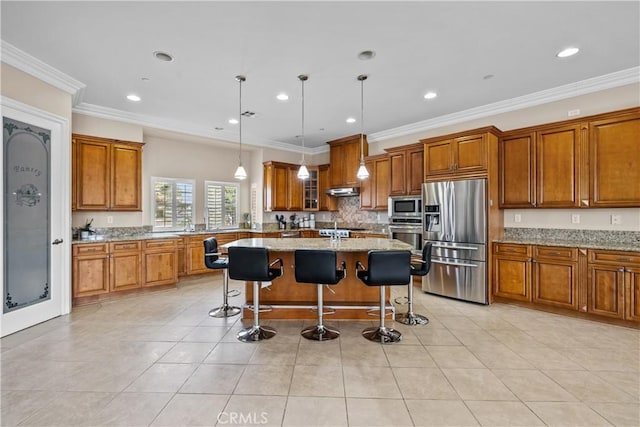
(350, 299)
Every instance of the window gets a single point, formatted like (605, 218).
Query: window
(221, 204)
(172, 203)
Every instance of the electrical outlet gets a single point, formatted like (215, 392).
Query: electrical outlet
(616, 219)
(575, 219)
(110, 219)
(517, 218)
(573, 113)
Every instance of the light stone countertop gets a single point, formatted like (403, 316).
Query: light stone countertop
(612, 246)
(343, 245)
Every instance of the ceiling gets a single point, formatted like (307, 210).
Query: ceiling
(447, 47)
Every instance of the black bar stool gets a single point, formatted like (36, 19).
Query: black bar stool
(318, 267)
(386, 268)
(418, 268)
(252, 264)
(213, 261)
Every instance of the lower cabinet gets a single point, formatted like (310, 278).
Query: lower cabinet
(556, 276)
(160, 264)
(90, 269)
(124, 265)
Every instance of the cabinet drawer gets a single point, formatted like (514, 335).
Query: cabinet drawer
(614, 257)
(226, 238)
(196, 241)
(130, 246)
(90, 249)
(555, 252)
(512, 249)
(160, 244)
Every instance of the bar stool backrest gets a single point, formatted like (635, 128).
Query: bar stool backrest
(249, 264)
(389, 268)
(316, 266)
(422, 269)
(210, 260)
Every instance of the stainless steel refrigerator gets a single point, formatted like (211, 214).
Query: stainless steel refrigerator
(455, 222)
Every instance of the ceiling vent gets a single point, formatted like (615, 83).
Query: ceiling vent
(249, 114)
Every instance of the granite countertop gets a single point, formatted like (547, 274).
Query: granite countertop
(612, 246)
(343, 245)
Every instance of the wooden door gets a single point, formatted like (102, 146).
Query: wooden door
(327, 202)
(74, 173)
(195, 255)
(398, 172)
(336, 159)
(438, 158)
(517, 170)
(160, 268)
(182, 256)
(605, 290)
(512, 278)
(295, 190)
(415, 170)
(632, 293)
(554, 283)
(124, 271)
(381, 177)
(93, 179)
(90, 269)
(470, 154)
(126, 177)
(351, 162)
(614, 159)
(275, 189)
(558, 167)
(367, 188)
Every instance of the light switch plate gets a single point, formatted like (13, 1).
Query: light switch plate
(517, 218)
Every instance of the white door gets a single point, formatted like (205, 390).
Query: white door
(35, 216)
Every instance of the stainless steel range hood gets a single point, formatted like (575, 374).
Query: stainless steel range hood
(343, 192)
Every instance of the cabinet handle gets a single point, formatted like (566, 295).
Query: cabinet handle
(624, 259)
(533, 204)
(621, 270)
(533, 261)
(585, 202)
(554, 253)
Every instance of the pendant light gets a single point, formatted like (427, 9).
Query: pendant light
(303, 172)
(240, 172)
(363, 173)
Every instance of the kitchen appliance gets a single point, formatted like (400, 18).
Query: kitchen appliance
(343, 192)
(405, 220)
(455, 222)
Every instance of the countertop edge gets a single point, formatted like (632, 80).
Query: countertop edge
(627, 247)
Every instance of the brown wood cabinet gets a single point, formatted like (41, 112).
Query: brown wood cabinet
(613, 284)
(107, 174)
(182, 256)
(512, 271)
(344, 157)
(554, 275)
(295, 189)
(160, 266)
(541, 168)
(359, 235)
(406, 170)
(326, 202)
(90, 269)
(125, 265)
(282, 191)
(374, 191)
(614, 160)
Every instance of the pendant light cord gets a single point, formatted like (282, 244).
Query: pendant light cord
(240, 80)
(362, 78)
(302, 79)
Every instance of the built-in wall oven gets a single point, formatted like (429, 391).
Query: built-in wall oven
(405, 220)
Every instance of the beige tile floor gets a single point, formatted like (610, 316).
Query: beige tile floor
(159, 359)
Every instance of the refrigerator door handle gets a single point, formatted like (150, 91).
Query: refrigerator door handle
(454, 247)
(459, 264)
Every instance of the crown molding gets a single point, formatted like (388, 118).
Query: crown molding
(583, 87)
(182, 127)
(21, 60)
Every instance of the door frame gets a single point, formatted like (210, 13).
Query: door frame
(60, 170)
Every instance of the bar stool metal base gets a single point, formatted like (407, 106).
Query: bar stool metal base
(412, 319)
(382, 335)
(256, 333)
(320, 333)
(225, 310)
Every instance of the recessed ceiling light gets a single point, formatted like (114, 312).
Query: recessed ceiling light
(233, 121)
(430, 95)
(351, 120)
(366, 55)
(133, 97)
(163, 56)
(282, 97)
(570, 51)
(145, 79)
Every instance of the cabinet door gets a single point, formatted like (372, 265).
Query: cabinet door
(558, 167)
(554, 283)
(295, 190)
(327, 202)
(397, 163)
(381, 175)
(182, 257)
(124, 271)
(275, 187)
(517, 171)
(93, 175)
(438, 157)
(90, 275)
(126, 177)
(74, 163)
(336, 158)
(512, 278)
(311, 187)
(415, 171)
(160, 268)
(605, 290)
(470, 154)
(632, 293)
(614, 159)
(351, 163)
(367, 188)
(195, 260)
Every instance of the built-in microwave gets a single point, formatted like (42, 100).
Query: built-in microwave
(405, 207)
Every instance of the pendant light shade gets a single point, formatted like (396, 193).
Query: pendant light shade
(363, 173)
(303, 172)
(240, 172)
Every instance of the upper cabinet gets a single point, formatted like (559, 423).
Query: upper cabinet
(462, 155)
(374, 191)
(107, 174)
(406, 169)
(541, 168)
(284, 191)
(345, 159)
(592, 162)
(326, 202)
